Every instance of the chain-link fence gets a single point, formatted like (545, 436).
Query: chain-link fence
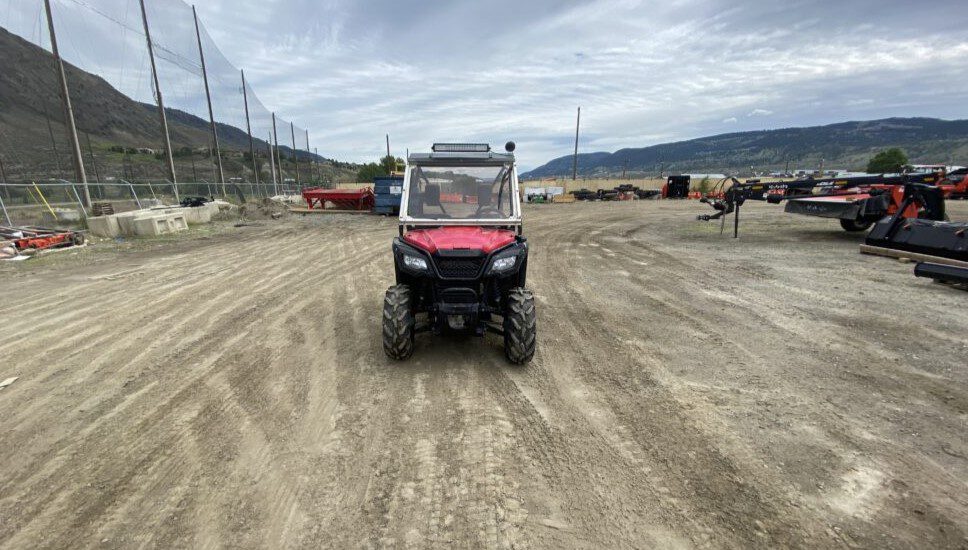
(61, 203)
(121, 139)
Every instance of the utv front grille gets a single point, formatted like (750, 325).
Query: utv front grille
(460, 268)
(458, 296)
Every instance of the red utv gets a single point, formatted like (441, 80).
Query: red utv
(461, 261)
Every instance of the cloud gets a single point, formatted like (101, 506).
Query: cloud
(352, 71)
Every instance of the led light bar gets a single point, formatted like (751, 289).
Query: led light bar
(461, 148)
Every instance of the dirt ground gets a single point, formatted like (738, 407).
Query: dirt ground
(229, 389)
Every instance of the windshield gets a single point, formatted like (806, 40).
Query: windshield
(460, 192)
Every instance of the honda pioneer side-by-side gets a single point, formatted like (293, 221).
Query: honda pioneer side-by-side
(461, 260)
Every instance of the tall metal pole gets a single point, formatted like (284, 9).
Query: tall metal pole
(76, 154)
(574, 164)
(248, 128)
(53, 143)
(295, 155)
(272, 166)
(208, 98)
(275, 139)
(3, 179)
(161, 103)
(319, 173)
(308, 150)
(388, 147)
(90, 151)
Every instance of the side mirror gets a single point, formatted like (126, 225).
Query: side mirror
(509, 147)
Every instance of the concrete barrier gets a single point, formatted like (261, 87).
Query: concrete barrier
(194, 215)
(104, 226)
(159, 224)
(148, 222)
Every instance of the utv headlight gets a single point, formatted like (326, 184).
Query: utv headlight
(504, 264)
(415, 262)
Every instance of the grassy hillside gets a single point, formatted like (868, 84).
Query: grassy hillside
(29, 92)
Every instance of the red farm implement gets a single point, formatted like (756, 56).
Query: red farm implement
(341, 199)
(39, 238)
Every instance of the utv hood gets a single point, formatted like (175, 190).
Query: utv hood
(484, 239)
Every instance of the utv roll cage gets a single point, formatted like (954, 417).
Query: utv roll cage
(430, 196)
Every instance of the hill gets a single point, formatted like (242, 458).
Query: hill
(29, 92)
(846, 145)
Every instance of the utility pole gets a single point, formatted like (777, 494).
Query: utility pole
(194, 173)
(275, 139)
(295, 154)
(625, 169)
(574, 164)
(79, 172)
(163, 118)
(248, 128)
(272, 166)
(388, 146)
(208, 99)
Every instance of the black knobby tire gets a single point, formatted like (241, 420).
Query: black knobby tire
(855, 225)
(520, 326)
(398, 323)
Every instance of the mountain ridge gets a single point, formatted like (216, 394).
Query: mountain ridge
(845, 145)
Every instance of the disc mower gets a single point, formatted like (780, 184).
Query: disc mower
(460, 259)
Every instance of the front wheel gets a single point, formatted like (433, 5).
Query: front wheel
(520, 326)
(855, 225)
(398, 323)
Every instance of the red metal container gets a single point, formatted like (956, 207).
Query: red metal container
(341, 199)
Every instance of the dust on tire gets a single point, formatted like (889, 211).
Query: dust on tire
(398, 323)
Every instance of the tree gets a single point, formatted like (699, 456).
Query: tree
(389, 163)
(888, 161)
(373, 170)
(368, 172)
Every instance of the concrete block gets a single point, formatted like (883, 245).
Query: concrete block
(104, 226)
(159, 224)
(197, 215)
(126, 221)
(193, 215)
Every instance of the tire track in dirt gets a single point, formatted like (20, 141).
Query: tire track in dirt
(243, 400)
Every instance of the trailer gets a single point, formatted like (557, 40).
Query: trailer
(342, 199)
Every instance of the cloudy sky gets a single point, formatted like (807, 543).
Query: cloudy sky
(643, 72)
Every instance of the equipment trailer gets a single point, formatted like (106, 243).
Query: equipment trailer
(460, 260)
